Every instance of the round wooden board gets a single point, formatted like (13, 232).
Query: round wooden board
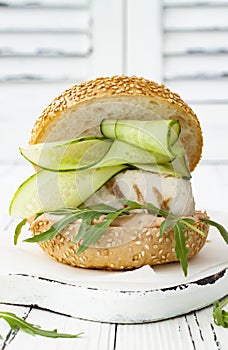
(29, 277)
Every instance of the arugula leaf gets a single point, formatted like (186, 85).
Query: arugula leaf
(16, 322)
(165, 226)
(101, 208)
(130, 204)
(187, 220)
(18, 230)
(97, 230)
(220, 316)
(93, 235)
(85, 225)
(89, 233)
(221, 229)
(180, 246)
(53, 230)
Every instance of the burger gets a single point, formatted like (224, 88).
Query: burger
(111, 190)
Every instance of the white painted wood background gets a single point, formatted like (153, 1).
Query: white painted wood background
(44, 49)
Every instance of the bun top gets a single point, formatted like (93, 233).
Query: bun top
(79, 110)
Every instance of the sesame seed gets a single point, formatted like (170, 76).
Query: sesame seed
(81, 265)
(138, 242)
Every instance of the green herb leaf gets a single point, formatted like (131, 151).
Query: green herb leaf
(131, 204)
(188, 220)
(16, 322)
(101, 208)
(165, 226)
(53, 230)
(180, 247)
(221, 229)
(89, 233)
(97, 230)
(220, 316)
(18, 230)
(93, 235)
(86, 225)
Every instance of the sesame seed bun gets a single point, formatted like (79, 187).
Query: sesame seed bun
(145, 246)
(78, 112)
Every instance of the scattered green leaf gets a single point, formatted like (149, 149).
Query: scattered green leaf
(165, 226)
(221, 229)
(94, 232)
(53, 230)
(16, 322)
(89, 232)
(18, 230)
(219, 314)
(180, 246)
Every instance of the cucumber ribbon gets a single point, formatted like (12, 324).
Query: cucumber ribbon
(124, 142)
(73, 170)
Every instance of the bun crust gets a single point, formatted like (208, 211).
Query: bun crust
(79, 110)
(145, 246)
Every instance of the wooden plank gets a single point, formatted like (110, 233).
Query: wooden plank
(107, 57)
(43, 44)
(40, 19)
(194, 331)
(205, 332)
(195, 18)
(214, 123)
(195, 66)
(184, 43)
(191, 3)
(97, 336)
(144, 39)
(29, 100)
(219, 332)
(44, 68)
(8, 336)
(210, 190)
(12, 138)
(200, 90)
(6, 182)
(190, 332)
(4, 167)
(45, 3)
(156, 335)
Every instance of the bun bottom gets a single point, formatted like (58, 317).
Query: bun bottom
(143, 246)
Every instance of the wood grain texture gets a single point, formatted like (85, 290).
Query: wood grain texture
(193, 331)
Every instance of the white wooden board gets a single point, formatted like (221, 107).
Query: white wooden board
(29, 277)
